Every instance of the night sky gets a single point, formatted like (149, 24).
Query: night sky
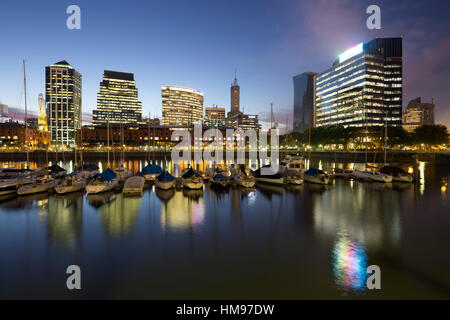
(199, 44)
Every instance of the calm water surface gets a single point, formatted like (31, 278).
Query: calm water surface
(269, 242)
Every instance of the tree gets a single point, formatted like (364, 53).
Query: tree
(431, 135)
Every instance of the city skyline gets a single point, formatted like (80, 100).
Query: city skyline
(265, 71)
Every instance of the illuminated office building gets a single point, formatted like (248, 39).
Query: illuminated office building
(181, 106)
(363, 87)
(63, 98)
(417, 114)
(42, 114)
(215, 116)
(117, 100)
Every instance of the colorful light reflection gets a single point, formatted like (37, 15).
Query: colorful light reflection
(349, 265)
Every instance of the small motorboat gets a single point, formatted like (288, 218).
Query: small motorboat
(71, 183)
(276, 178)
(151, 172)
(103, 182)
(316, 176)
(398, 174)
(165, 181)
(134, 186)
(40, 184)
(219, 180)
(192, 180)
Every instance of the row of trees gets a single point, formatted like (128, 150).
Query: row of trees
(427, 135)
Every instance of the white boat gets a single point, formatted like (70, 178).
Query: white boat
(363, 175)
(191, 180)
(211, 172)
(219, 180)
(41, 184)
(165, 181)
(292, 163)
(12, 179)
(316, 176)
(244, 181)
(276, 179)
(134, 186)
(71, 184)
(105, 181)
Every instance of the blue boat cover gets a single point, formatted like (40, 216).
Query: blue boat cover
(152, 169)
(108, 175)
(55, 169)
(190, 173)
(219, 176)
(314, 172)
(73, 173)
(165, 176)
(92, 167)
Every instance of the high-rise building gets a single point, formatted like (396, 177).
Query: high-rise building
(63, 98)
(303, 100)
(117, 99)
(215, 116)
(181, 106)
(42, 114)
(235, 93)
(363, 87)
(417, 114)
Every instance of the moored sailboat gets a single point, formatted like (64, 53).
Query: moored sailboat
(103, 182)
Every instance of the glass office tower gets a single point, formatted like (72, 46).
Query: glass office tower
(63, 99)
(181, 106)
(117, 100)
(303, 100)
(363, 87)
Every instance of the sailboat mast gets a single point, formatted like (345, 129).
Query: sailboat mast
(107, 137)
(385, 136)
(148, 136)
(26, 114)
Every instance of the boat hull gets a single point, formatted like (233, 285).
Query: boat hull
(32, 189)
(61, 189)
(316, 179)
(164, 185)
(94, 189)
(194, 185)
(275, 181)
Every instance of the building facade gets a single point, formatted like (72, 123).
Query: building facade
(63, 99)
(303, 101)
(117, 100)
(181, 106)
(42, 114)
(363, 87)
(215, 116)
(417, 114)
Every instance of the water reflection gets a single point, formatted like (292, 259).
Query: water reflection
(65, 218)
(349, 264)
(183, 212)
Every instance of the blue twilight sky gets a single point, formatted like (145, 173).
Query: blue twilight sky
(198, 44)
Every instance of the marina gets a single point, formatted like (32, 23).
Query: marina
(178, 241)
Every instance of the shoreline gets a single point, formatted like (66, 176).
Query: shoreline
(339, 156)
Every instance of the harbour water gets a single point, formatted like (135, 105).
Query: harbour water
(269, 242)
